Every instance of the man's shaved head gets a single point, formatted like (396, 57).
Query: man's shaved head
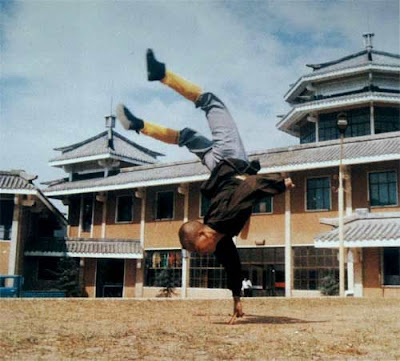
(188, 234)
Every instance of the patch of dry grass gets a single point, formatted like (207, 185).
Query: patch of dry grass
(280, 329)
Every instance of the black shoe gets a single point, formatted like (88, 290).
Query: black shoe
(155, 69)
(127, 119)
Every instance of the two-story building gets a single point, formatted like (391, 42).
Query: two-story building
(27, 217)
(125, 209)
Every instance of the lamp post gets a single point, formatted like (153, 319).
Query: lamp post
(342, 124)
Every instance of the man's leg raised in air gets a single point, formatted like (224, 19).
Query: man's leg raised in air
(226, 139)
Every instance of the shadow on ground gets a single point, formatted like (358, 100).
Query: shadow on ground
(258, 319)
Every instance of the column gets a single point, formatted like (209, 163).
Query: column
(141, 194)
(288, 246)
(15, 239)
(184, 190)
(358, 274)
(350, 273)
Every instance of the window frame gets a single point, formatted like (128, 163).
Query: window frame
(117, 209)
(306, 193)
(81, 220)
(263, 213)
(383, 283)
(201, 197)
(156, 206)
(369, 190)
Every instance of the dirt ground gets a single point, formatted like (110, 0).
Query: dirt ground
(274, 329)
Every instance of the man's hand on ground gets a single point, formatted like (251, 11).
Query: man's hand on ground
(237, 310)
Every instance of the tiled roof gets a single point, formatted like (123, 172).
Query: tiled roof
(300, 157)
(364, 230)
(16, 181)
(98, 145)
(85, 247)
(357, 59)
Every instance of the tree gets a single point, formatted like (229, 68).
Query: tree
(68, 277)
(166, 280)
(329, 286)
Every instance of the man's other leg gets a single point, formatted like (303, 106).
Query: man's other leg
(227, 142)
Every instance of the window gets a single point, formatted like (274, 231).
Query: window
(359, 124)
(386, 119)
(6, 217)
(124, 209)
(165, 205)
(391, 266)
(265, 267)
(206, 272)
(318, 194)
(158, 261)
(311, 265)
(87, 214)
(264, 205)
(204, 205)
(383, 188)
(307, 133)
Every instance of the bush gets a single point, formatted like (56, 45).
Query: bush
(329, 286)
(166, 280)
(68, 277)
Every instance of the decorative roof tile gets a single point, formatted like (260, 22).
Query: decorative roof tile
(357, 59)
(119, 147)
(364, 230)
(16, 180)
(85, 247)
(300, 157)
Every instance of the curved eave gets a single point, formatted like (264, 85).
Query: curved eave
(301, 110)
(302, 82)
(360, 243)
(199, 178)
(84, 255)
(97, 157)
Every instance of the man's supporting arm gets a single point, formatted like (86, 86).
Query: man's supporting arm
(228, 256)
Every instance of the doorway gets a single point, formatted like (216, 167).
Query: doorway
(110, 277)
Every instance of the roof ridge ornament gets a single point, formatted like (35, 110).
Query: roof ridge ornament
(368, 44)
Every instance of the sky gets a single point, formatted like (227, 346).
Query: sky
(66, 64)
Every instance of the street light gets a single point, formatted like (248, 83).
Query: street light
(342, 124)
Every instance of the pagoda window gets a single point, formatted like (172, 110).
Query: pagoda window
(386, 119)
(359, 124)
(307, 133)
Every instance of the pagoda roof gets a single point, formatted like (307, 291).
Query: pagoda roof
(358, 150)
(361, 58)
(288, 122)
(101, 147)
(360, 62)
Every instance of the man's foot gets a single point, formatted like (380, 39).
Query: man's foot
(155, 69)
(128, 120)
